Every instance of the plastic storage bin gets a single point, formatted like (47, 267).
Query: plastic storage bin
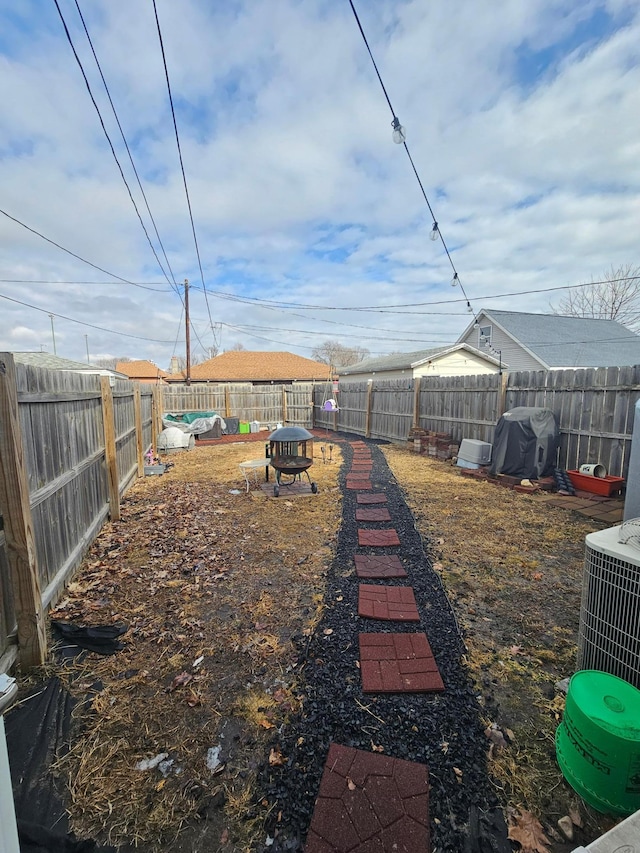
(472, 450)
(244, 427)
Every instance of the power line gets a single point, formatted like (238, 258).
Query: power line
(108, 138)
(126, 145)
(79, 257)
(81, 322)
(184, 176)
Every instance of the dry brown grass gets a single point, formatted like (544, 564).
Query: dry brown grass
(195, 572)
(512, 566)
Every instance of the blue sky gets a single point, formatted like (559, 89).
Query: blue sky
(523, 120)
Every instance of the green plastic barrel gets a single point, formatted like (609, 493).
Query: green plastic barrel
(598, 741)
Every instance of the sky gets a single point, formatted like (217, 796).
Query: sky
(522, 119)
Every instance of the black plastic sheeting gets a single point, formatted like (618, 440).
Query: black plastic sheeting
(37, 733)
(526, 443)
(101, 639)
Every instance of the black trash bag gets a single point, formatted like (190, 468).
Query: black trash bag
(101, 639)
(37, 839)
(488, 832)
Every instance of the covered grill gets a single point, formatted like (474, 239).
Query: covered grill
(290, 456)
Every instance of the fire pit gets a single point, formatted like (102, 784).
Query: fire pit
(290, 456)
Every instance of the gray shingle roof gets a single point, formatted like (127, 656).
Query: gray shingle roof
(56, 362)
(561, 341)
(396, 361)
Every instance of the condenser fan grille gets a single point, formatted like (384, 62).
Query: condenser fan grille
(609, 632)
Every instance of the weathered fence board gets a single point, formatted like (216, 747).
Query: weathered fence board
(594, 407)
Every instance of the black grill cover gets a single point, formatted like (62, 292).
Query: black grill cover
(526, 443)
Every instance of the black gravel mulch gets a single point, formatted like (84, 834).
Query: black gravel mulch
(442, 730)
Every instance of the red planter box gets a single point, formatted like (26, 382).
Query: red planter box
(605, 486)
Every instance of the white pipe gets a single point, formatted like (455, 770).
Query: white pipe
(8, 828)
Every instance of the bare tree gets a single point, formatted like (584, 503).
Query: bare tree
(614, 296)
(109, 363)
(237, 347)
(338, 355)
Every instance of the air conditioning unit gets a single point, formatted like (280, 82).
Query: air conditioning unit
(609, 632)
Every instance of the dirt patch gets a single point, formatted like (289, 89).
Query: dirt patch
(512, 567)
(214, 586)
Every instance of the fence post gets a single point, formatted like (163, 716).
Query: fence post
(227, 402)
(416, 402)
(284, 405)
(155, 405)
(502, 394)
(110, 448)
(367, 425)
(137, 408)
(18, 524)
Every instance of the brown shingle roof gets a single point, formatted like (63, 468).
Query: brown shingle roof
(246, 366)
(143, 370)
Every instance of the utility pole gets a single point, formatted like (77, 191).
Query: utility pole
(187, 333)
(53, 335)
(86, 343)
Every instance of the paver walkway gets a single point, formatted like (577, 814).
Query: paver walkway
(397, 603)
(375, 498)
(378, 538)
(370, 803)
(373, 514)
(398, 663)
(378, 567)
(358, 484)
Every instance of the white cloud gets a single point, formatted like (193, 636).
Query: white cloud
(298, 192)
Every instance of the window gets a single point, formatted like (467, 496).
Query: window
(484, 334)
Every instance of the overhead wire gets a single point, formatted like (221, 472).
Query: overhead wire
(184, 176)
(126, 144)
(81, 322)
(108, 138)
(80, 258)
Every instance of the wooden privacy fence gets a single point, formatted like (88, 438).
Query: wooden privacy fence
(70, 445)
(268, 404)
(595, 408)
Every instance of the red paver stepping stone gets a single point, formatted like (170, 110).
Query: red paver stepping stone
(378, 538)
(370, 803)
(358, 475)
(376, 498)
(398, 663)
(376, 514)
(382, 566)
(358, 484)
(397, 603)
(361, 463)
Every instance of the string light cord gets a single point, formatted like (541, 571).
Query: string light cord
(108, 138)
(184, 176)
(126, 145)
(399, 136)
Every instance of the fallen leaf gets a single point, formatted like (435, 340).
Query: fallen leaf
(376, 748)
(528, 832)
(537, 576)
(495, 736)
(276, 758)
(351, 785)
(224, 837)
(179, 681)
(192, 699)
(438, 567)
(515, 650)
(444, 746)
(264, 723)
(576, 818)
(327, 631)
(458, 773)
(161, 784)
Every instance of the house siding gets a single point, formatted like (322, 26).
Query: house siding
(513, 355)
(455, 364)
